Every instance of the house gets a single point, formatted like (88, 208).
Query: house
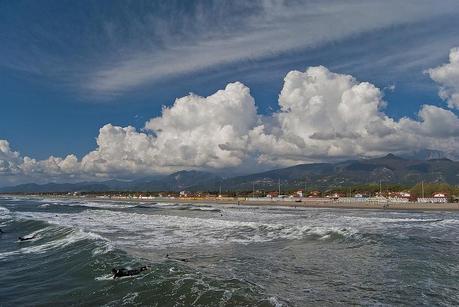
(272, 194)
(183, 194)
(314, 194)
(298, 194)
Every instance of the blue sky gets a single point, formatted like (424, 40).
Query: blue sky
(67, 68)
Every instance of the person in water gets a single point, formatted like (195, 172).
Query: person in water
(117, 273)
(179, 259)
(26, 238)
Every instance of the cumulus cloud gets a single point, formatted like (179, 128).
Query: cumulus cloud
(194, 132)
(434, 122)
(323, 115)
(447, 76)
(8, 159)
(13, 166)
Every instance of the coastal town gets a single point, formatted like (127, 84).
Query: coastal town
(297, 196)
(435, 194)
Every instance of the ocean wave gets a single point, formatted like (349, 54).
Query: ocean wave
(178, 206)
(55, 200)
(395, 220)
(383, 224)
(51, 238)
(104, 205)
(186, 287)
(135, 230)
(14, 198)
(89, 204)
(146, 206)
(5, 214)
(131, 230)
(199, 208)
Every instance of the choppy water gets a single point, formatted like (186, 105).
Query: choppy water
(238, 256)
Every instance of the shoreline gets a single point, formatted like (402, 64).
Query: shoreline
(279, 203)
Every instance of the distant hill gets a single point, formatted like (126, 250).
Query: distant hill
(388, 169)
(173, 182)
(178, 181)
(56, 187)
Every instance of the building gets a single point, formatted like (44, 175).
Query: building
(314, 194)
(298, 194)
(183, 194)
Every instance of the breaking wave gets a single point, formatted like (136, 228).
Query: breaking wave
(163, 231)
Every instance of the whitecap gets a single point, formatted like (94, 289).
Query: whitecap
(5, 214)
(64, 239)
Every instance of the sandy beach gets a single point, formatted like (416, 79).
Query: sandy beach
(411, 206)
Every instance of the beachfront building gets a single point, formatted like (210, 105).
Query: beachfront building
(438, 197)
(298, 194)
(314, 194)
(399, 197)
(184, 193)
(272, 194)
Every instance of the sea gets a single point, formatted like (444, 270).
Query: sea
(224, 255)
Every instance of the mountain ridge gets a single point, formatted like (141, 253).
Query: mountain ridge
(388, 169)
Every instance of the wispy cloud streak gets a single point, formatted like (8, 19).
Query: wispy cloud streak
(275, 28)
(128, 45)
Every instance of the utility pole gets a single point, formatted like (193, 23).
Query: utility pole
(422, 188)
(380, 188)
(253, 189)
(279, 187)
(220, 190)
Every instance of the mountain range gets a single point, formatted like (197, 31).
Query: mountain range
(387, 169)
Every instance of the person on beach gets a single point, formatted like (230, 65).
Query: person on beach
(117, 273)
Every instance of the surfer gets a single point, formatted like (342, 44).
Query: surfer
(117, 273)
(1, 231)
(26, 238)
(178, 259)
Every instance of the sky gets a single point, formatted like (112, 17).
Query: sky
(93, 90)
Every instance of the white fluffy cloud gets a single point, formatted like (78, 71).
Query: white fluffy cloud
(447, 76)
(322, 115)
(211, 131)
(206, 132)
(13, 166)
(8, 159)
